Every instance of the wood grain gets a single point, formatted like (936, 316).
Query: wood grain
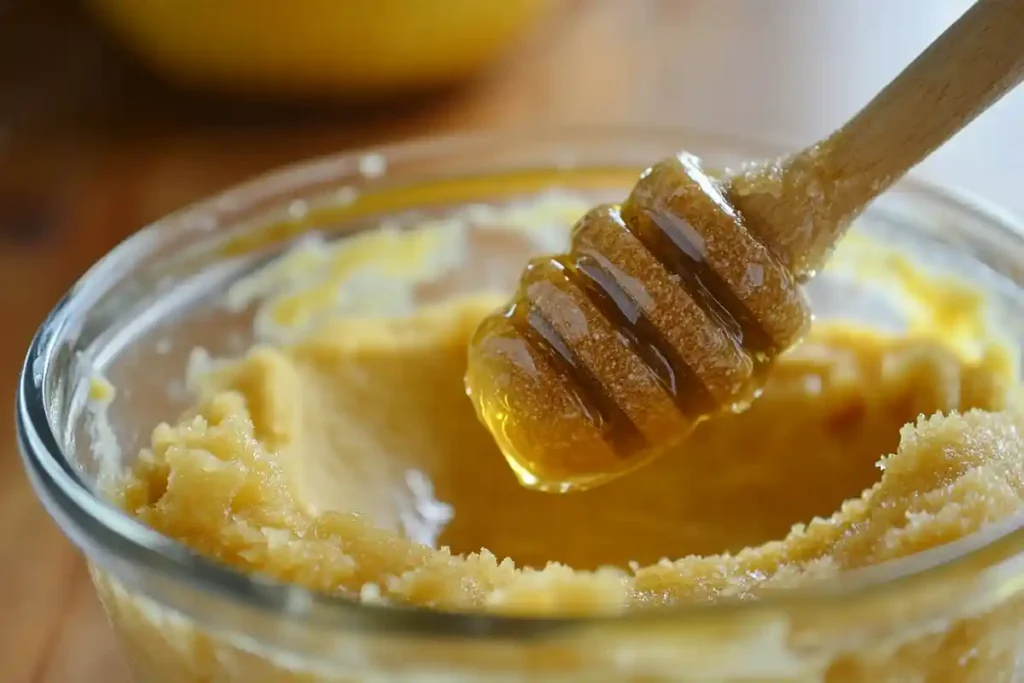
(91, 149)
(802, 207)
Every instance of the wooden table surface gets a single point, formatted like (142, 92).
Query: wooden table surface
(91, 149)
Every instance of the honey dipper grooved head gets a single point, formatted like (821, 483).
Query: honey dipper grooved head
(669, 310)
(664, 311)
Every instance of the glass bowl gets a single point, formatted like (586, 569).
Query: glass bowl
(136, 316)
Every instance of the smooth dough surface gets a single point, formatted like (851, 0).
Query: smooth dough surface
(351, 461)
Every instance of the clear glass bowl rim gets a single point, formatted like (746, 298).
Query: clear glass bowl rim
(98, 527)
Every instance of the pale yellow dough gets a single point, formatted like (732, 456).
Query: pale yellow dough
(295, 463)
(341, 453)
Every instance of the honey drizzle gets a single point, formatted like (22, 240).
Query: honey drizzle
(639, 334)
(600, 409)
(682, 256)
(665, 237)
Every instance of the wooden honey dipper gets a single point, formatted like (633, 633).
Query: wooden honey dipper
(670, 308)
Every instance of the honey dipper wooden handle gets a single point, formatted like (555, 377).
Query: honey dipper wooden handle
(801, 206)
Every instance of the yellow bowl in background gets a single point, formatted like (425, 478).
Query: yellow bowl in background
(353, 48)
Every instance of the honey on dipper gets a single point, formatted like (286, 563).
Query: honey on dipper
(665, 311)
(670, 308)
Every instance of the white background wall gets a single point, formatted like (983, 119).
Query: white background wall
(810, 64)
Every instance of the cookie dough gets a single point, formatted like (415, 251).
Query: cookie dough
(344, 456)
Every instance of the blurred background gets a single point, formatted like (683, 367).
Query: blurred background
(114, 112)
